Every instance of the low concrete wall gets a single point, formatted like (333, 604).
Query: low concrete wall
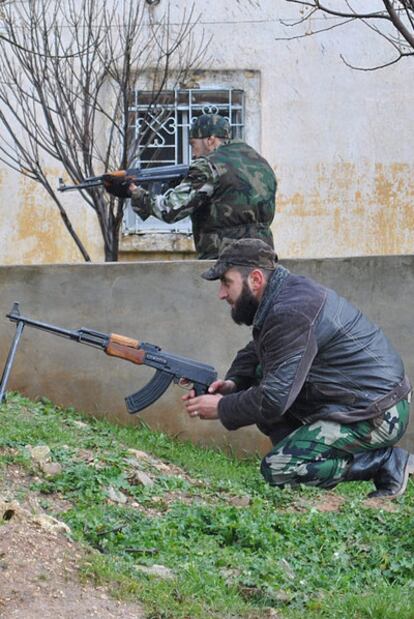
(167, 303)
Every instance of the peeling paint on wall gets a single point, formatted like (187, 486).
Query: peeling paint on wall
(338, 209)
(346, 210)
(32, 230)
(35, 226)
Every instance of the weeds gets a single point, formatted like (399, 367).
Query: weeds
(235, 547)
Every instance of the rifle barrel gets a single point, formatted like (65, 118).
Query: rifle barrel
(85, 336)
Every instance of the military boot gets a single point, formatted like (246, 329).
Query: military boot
(389, 468)
(391, 479)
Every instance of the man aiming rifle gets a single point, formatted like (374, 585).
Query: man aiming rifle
(229, 191)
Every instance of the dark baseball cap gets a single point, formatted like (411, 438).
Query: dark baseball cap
(253, 253)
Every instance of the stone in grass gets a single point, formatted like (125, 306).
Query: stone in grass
(157, 570)
(116, 495)
(39, 454)
(51, 469)
(139, 478)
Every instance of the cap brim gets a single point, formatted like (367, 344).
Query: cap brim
(215, 272)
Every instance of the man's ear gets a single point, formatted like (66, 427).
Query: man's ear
(211, 142)
(256, 280)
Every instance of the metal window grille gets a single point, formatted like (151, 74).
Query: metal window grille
(163, 132)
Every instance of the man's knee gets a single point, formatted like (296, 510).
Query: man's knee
(279, 469)
(266, 471)
(276, 470)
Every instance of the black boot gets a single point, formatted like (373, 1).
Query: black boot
(389, 468)
(391, 479)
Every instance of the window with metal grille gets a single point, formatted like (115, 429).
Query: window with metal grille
(163, 129)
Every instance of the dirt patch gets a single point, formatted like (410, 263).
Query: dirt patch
(15, 481)
(387, 505)
(329, 502)
(39, 564)
(39, 578)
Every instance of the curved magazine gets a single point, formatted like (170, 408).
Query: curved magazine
(150, 393)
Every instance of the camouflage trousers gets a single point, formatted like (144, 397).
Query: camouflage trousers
(319, 454)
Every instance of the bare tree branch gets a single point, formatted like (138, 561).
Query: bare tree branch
(318, 31)
(394, 23)
(398, 23)
(73, 108)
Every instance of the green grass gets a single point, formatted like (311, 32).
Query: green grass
(228, 561)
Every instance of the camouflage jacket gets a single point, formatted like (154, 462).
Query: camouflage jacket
(228, 194)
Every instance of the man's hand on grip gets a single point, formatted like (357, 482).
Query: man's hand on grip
(203, 406)
(118, 185)
(140, 201)
(222, 386)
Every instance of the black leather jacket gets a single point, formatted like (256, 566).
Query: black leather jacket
(313, 356)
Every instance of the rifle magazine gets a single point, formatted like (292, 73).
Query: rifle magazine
(153, 390)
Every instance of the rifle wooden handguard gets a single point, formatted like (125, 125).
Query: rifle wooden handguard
(125, 348)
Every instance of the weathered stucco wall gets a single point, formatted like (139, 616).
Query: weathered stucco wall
(168, 304)
(336, 138)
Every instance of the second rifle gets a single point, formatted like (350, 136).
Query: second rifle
(162, 177)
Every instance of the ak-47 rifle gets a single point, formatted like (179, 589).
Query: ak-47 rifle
(162, 177)
(168, 367)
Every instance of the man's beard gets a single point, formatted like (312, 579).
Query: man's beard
(245, 308)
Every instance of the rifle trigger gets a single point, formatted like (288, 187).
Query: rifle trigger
(184, 383)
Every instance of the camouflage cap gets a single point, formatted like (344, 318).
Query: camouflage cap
(244, 252)
(210, 124)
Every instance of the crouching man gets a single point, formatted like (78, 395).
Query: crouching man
(319, 378)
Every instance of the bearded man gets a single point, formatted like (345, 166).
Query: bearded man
(319, 378)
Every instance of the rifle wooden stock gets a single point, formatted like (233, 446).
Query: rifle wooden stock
(125, 348)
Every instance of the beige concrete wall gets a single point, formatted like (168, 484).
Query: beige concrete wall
(336, 138)
(168, 304)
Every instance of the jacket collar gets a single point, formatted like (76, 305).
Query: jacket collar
(271, 291)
